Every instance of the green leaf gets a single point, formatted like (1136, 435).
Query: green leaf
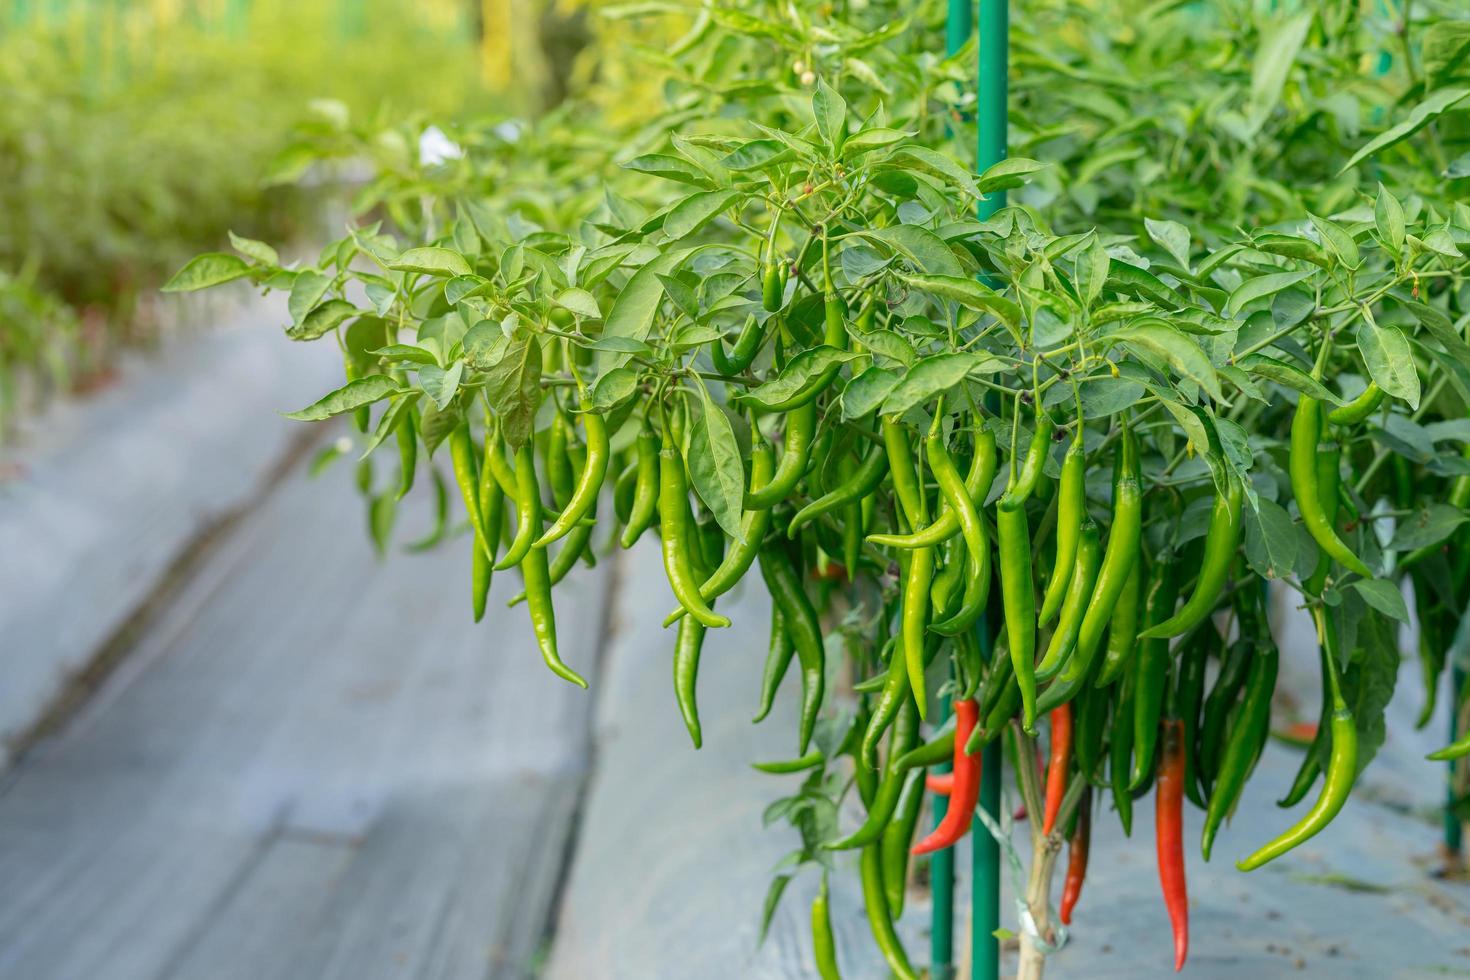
(669, 167)
(1389, 360)
(580, 302)
(867, 391)
(1383, 596)
(348, 398)
(756, 154)
(209, 269)
(1091, 272)
(1182, 354)
(696, 211)
(613, 388)
(1279, 47)
(933, 162)
(252, 249)
(970, 294)
(1446, 48)
(1388, 216)
(920, 246)
(1338, 242)
(1369, 681)
(773, 899)
(633, 311)
(306, 292)
(932, 377)
(1172, 237)
(1129, 278)
(388, 422)
(715, 467)
(796, 375)
(830, 110)
(323, 320)
(484, 345)
(873, 139)
(1289, 375)
(1271, 542)
(441, 384)
(1428, 525)
(1007, 173)
(1424, 113)
(432, 261)
(406, 352)
(513, 387)
(1262, 287)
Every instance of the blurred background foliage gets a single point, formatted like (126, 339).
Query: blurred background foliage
(135, 132)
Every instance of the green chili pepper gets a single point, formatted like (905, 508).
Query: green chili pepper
(801, 622)
(645, 496)
(1122, 629)
(1087, 556)
(898, 837)
(1071, 511)
(1234, 670)
(534, 568)
(801, 425)
(1306, 429)
(467, 475)
(915, 619)
(885, 801)
(903, 473)
(895, 693)
(977, 483)
(879, 918)
(961, 500)
(1120, 747)
(1221, 543)
(500, 470)
(1023, 482)
(1189, 692)
(492, 516)
(1090, 722)
(673, 511)
(623, 489)
(1243, 744)
(812, 759)
(997, 718)
(408, 450)
(589, 483)
(686, 672)
(778, 659)
(824, 944)
(863, 481)
(751, 339)
(753, 525)
(1152, 672)
(771, 297)
(1119, 558)
(1342, 766)
(528, 511)
(1359, 408)
(560, 475)
(1018, 597)
(936, 751)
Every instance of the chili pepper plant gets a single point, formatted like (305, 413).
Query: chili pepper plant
(1043, 463)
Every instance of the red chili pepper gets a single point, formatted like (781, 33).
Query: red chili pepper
(939, 783)
(1168, 817)
(1019, 813)
(1077, 857)
(1056, 769)
(965, 787)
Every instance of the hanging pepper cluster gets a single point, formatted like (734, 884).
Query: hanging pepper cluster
(1039, 466)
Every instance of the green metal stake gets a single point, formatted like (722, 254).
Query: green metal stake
(1452, 828)
(957, 30)
(990, 118)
